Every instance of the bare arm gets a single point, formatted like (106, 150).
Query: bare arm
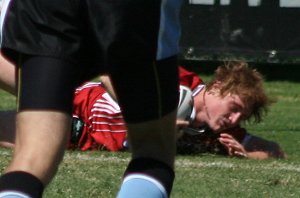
(7, 118)
(108, 85)
(260, 147)
(7, 75)
(255, 148)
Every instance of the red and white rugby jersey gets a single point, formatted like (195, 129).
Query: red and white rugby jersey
(189, 79)
(104, 126)
(193, 81)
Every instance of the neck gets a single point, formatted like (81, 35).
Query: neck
(204, 104)
(200, 108)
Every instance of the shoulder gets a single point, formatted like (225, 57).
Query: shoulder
(189, 78)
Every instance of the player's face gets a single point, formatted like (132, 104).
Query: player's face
(223, 112)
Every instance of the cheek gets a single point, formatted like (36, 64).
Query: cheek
(216, 109)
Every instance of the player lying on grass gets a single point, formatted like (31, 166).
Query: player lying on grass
(196, 137)
(209, 124)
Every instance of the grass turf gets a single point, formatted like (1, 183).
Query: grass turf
(98, 174)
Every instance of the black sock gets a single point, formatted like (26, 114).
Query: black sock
(153, 168)
(22, 182)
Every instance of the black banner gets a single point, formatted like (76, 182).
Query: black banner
(253, 30)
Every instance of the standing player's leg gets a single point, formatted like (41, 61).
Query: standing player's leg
(148, 100)
(43, 126)
(145, 78)
(49, 63)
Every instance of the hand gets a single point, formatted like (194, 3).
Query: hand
(233, 147)
(182, 123)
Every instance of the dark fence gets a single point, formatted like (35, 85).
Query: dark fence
(260, 31)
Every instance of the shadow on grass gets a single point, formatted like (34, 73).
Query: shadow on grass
(271, 72)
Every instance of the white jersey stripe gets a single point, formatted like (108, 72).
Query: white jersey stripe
(105, 116)
(108, 123)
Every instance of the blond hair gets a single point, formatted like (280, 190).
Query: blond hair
(238, 78)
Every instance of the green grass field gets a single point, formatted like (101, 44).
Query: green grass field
(98, 174)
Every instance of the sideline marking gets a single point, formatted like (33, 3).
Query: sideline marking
(184, 163)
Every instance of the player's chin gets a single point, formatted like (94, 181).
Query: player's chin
(217, 128)
(216, 125)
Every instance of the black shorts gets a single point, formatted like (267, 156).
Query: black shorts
(95, 35)
(96, 31)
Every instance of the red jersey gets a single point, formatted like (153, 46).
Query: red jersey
(189, 79)
(103, 123)
(104, 126)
